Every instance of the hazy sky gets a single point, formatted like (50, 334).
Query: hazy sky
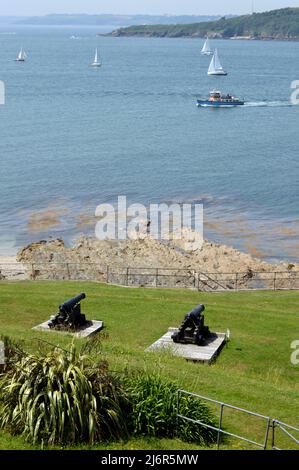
(41, 7)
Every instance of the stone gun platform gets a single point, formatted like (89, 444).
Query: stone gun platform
(93, 327)
(191, 352)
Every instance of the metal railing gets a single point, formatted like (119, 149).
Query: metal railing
(152, 277)
(269, 423)
(286, 429)
(219, 429)
(207, 282)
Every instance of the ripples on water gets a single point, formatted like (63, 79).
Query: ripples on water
(72, 137)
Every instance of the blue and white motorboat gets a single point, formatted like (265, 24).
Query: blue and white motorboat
(217, 100)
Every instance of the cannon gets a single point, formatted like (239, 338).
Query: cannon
(193, 329)
(69, 315)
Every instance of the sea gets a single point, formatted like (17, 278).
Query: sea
(73, 137)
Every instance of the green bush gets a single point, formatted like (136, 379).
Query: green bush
(61, 397)
(153, 411)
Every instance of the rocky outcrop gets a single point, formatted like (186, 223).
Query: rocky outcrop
(92, 259)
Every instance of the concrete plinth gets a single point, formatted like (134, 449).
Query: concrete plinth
(191, 352)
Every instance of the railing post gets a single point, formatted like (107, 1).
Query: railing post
(220, 425)
(267, 434)
(274, 281)
(273, 433)
(157, 274)
(32, 272)
(127, 277)
(107, 274)
(68, 271)
(236, 282)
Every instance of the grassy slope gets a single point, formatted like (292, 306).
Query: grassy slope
(254, 372)
(283, 23)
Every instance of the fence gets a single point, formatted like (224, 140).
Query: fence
(220, 431)
(267, 423)
(153, 277)
(286, 429)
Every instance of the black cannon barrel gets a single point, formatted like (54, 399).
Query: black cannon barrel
(196, 311)
(70, 304)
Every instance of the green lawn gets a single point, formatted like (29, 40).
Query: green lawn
(253, 372)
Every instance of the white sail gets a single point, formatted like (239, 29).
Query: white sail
(207, 48)
(97, 61)
(215, 65)
(22, 55)
(212, 65)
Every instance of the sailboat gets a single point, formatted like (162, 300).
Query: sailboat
(215, 66)
(206, 50)
(97, 61)
(22, 56)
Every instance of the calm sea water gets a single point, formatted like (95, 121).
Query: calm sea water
(73, 137)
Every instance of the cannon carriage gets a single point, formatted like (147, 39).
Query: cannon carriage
(193, 329)
(69, 315)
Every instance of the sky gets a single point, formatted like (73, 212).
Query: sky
(177, 7)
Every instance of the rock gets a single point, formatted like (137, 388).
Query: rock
(89, 258)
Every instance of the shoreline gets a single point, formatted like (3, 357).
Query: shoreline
(143, 253)
(194, 37)
(267, 25)
(272, 241)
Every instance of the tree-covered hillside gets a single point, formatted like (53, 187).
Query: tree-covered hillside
(276, 24)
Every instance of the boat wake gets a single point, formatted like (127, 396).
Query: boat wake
(268, 104)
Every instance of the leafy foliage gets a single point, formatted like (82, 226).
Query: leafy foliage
(61, 397)
(153, 411)
(276, 24)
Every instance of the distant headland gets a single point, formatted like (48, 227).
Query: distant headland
(282, 24)
(108, 20)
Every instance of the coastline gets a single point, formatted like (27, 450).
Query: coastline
(142, 253)
(113, 34)
(271, 240)
(268, 25)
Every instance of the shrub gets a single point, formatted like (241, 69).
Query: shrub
(61, 397)
(153, 411)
